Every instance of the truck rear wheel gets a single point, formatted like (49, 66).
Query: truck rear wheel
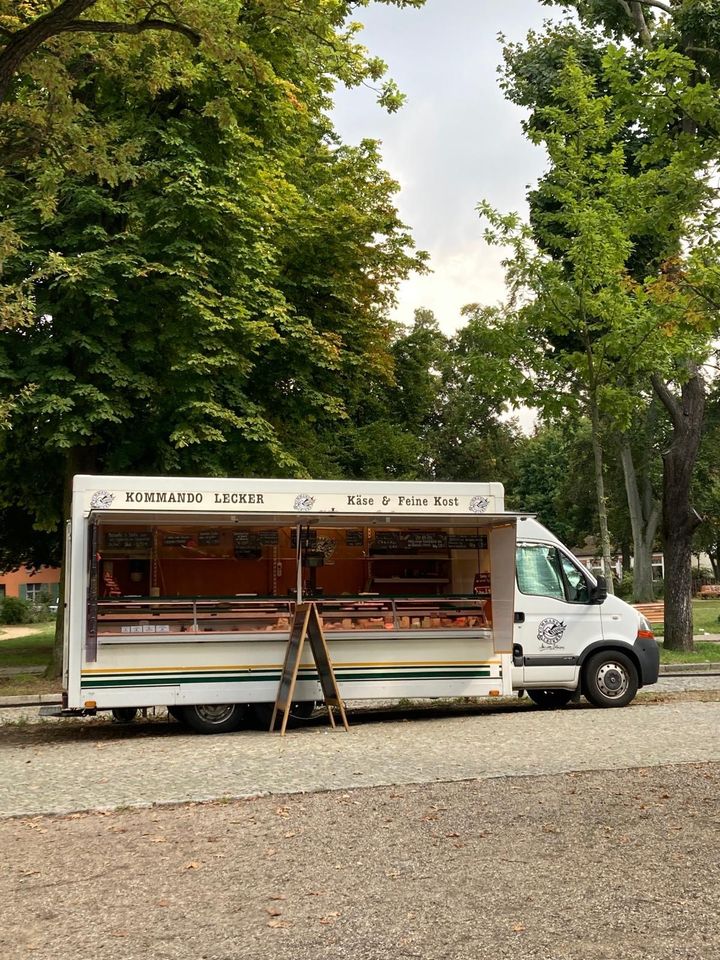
(124, 714)
(550, 699)
(213, 717)
(611, 679)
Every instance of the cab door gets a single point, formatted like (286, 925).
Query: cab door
(554, 616)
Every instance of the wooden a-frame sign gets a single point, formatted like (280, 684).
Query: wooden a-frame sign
(307, 625)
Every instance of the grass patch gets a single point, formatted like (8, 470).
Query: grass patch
(28, 685)
(701, 654)
(34, 650)
(705, 618)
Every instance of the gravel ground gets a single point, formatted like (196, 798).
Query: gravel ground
(582, 866)
(72, 766)
(476, 833)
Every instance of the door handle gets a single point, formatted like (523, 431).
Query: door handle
(519, 617)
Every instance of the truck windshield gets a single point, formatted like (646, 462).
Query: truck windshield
(544, 571)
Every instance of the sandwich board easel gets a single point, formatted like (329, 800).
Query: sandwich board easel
(307, 625)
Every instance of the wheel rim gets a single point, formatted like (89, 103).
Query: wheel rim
(612, 680)
(215, 712)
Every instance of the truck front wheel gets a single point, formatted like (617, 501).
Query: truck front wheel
(550, 699)
(212, 717)
(611, 679)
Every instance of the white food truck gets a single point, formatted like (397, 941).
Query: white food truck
(180, 592)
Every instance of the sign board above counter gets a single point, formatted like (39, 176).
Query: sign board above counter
(165, 495)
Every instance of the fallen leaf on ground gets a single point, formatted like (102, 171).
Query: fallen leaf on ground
(518, 927)
(193, 865)
(273, 911)
(278, 923)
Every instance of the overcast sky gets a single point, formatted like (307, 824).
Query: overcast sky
(456, 140)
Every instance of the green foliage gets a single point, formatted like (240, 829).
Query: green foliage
(706, 485)
(195, 274)
(554, 479)
(13, 610)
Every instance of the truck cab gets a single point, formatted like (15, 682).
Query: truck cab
(570, 636)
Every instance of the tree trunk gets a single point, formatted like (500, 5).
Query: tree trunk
(644, 519)
(679, 519)
(600, 494)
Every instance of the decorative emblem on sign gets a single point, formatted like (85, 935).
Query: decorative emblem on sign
(303, 502)
(479, 504)
(101, 500)
(550, 633)
(325, 546)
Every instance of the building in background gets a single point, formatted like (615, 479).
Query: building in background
(32, 585)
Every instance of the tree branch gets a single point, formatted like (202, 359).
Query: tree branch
(668, 401)
(109, 26)
(65, 18)
(638, 15)
(656, 3)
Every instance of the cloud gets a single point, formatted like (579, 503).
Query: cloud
(456, 141)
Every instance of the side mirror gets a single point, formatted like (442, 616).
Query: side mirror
(598, 593)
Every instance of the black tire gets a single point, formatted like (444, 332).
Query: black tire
(124, 714)
(610, 679)
(550, 699)
(213, 717)
(261, 714)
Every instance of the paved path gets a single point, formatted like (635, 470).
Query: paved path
(69, 766)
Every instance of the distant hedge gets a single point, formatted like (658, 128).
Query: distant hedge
(15, 610)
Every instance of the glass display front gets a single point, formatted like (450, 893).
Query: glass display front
(162, 582)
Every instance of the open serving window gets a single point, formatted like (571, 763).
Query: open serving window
(228, 577)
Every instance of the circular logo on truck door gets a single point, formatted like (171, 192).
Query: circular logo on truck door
(550, 633)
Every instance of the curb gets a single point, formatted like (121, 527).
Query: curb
(680, 669)
(38, 700)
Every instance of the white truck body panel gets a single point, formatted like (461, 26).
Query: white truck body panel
(421, 658)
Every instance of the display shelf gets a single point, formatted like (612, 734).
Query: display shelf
(169, 621)
(148, 617)
(411, 580)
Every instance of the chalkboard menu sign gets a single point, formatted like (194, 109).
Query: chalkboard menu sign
(306, 626)
(243, 538)
(128, 540)
(208, 538)
(269, 537)
(354, 538)
(247, 544)
(467, 542)
(176, 539)
(409, 541)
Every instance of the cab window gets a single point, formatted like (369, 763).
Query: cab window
(544, 571)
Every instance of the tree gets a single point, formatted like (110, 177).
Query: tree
(555, 479)
(665, 90)
(475, 436)
(218, 282)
